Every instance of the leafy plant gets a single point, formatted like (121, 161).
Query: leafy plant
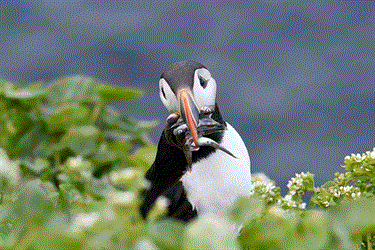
(71, 177)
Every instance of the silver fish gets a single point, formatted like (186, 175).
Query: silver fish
(202, 141)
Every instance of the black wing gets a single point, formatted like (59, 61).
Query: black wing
(164, 177)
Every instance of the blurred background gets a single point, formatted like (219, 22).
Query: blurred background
(295, 79)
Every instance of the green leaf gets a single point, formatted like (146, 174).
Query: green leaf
(246, 209)
(309, 183)
(36, 167)
(209, 232)
(351, 219)
(117, 94)
(33, 143)
(32, 205)
(328, 184)
(24, 94)
(82, 140)
(5, 86)
(104, 155)
(67, 115)
(96, 188)
(143, 157)
(167, 234)
(19, 119)
(72, 89)
(311, 232)
(270, 231)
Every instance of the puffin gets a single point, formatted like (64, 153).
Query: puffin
(202, 165)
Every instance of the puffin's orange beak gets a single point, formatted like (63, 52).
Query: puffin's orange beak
(189, 112)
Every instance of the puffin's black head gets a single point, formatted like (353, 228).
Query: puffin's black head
(186, 88)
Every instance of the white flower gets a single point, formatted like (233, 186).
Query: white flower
(122, 198)
(74, 163)
(163, 202)
(123, 175)
(86, 174)
(84, 221)
(9, 171)
(288, 198)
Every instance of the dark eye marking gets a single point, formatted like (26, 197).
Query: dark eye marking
(162, 91)
(203, 81)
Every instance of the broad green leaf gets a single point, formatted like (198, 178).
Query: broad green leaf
(309, 183)
(5, 86)
(33, 143)
(35, 86)
(117, 94)
(19, 118)
(268, 232)
(66, 116)
(311, 232)
(72, 89)
(246, 209)
(143, 157)
(82, 140)
(34, 168)
(167, 234)
(96, 188)
(210, 232)
(329, 184)
(24, 94)
(56, 235)
(32, 205)
(353, 218)
(104, 155)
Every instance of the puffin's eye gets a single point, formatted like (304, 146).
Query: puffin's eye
(202, 81)
(162, 91)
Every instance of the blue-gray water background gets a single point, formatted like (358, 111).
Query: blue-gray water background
(296, 80)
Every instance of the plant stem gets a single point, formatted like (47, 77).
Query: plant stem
(57, 159)
(26, 240)
(96, 112)
(38, 111)
(369, 243)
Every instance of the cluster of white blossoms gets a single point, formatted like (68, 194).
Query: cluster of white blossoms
(347, 191)
(288, 202)
(264, 187)
(297, 186)
(362, 157)
(298, 182)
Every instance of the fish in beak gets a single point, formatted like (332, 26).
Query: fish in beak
(189, 112)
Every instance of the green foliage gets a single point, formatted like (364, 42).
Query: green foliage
(71, 177)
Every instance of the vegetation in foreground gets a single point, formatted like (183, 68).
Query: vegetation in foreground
(71, 177)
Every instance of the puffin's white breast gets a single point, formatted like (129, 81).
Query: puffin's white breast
(217, 181)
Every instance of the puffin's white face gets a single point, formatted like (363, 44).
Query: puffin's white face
(204, 92)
